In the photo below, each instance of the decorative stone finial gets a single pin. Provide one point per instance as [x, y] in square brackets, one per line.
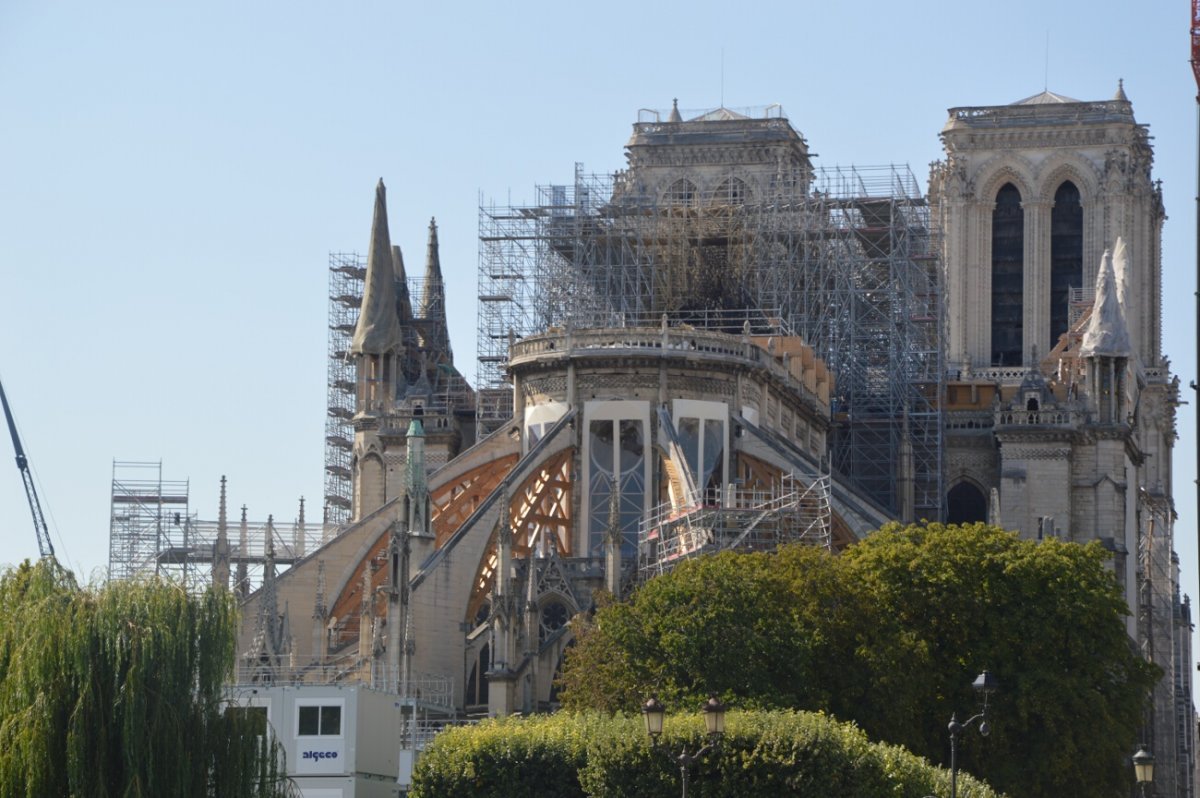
[1120, 95]
[675, 117]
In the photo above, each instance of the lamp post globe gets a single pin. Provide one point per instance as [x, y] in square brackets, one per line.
[1143, 767]
[986, 684]
[714, 716]
[714, 722]
[653, 712]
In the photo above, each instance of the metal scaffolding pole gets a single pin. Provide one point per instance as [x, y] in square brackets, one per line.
[848, 261]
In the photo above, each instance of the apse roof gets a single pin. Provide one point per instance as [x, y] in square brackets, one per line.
[1046, 98]
[719, 115]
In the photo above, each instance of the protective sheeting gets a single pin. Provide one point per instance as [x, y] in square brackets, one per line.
[1120, 262]
[1107, 334]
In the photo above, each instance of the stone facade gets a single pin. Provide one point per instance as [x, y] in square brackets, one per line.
[720, 157]
[465, 560]
[1048, 432]
[463, 564]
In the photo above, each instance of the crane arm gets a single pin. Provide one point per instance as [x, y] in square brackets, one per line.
[45, 547]
[1195, 31]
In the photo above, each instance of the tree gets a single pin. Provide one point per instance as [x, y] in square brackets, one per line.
[118, 690]
[890, 634]
[1047, 618]
[724, 624]
[574, 755]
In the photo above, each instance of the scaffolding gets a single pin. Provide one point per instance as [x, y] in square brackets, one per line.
[347, 275]
[147, 512]
[849, 258]
[152, 533]
[794, 512]
[188, 558]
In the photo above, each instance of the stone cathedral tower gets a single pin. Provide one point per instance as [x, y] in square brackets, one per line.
[405, 371]
[1059, 404]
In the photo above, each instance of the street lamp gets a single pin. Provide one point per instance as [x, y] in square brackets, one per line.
[653, 712]
[1143, 767]
[985, 684]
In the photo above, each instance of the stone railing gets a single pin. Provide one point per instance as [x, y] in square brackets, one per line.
[1022, 114]
[1157, 374]
[674, 341]
[1039, 418]
[997, 373]
[970, 420]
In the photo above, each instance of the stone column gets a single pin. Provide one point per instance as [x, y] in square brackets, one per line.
[977, 283]
[1036, 315]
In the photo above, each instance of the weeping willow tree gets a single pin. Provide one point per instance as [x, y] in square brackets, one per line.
[117, 691]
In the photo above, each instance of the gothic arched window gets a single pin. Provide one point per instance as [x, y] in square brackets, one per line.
[1008, 277]
[731, 191]
[554, 616]
[965, 504]
[681, 193]
[1066, 256]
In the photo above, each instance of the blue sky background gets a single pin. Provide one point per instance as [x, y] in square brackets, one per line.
[173, 177]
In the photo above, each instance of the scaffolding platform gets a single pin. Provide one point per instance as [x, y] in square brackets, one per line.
[847, 255]
[146, 513]
[347, 276]
[796, 512]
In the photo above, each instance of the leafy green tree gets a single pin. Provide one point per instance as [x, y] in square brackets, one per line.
[1047, 618]
[725, 624]
[891, 634]
[763, 753]
[117, 690]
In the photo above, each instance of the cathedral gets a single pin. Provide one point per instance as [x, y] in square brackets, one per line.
[724, 346]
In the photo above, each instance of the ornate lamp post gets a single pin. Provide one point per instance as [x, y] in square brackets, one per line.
[984, 684]
[1143, 767]
[654, 713]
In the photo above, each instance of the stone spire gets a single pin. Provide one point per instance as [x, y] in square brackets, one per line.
[416, 485]
[220, 567]
[242, 588]
[433, 304]
[533, 621]
[1120, 95]
[675, 117]
[272, 631]
[299, 533]
[403, 299]
[410, 345]
[397, 605]
[319, 616]
[1106, 334]
[378, 329]
[366, 610]
[269, 546]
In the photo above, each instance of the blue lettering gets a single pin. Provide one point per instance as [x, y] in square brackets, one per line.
[319, 755]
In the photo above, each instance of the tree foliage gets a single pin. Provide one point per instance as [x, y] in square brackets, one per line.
[767, 753]
[890, 634]
[117, 690]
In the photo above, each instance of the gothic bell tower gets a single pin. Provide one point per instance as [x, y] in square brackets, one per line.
[377, 349]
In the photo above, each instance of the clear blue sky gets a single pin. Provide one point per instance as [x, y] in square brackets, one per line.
[173, 176]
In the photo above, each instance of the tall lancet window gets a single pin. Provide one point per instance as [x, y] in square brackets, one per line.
[1008, 277]
[1066, 256]
[615, 458]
